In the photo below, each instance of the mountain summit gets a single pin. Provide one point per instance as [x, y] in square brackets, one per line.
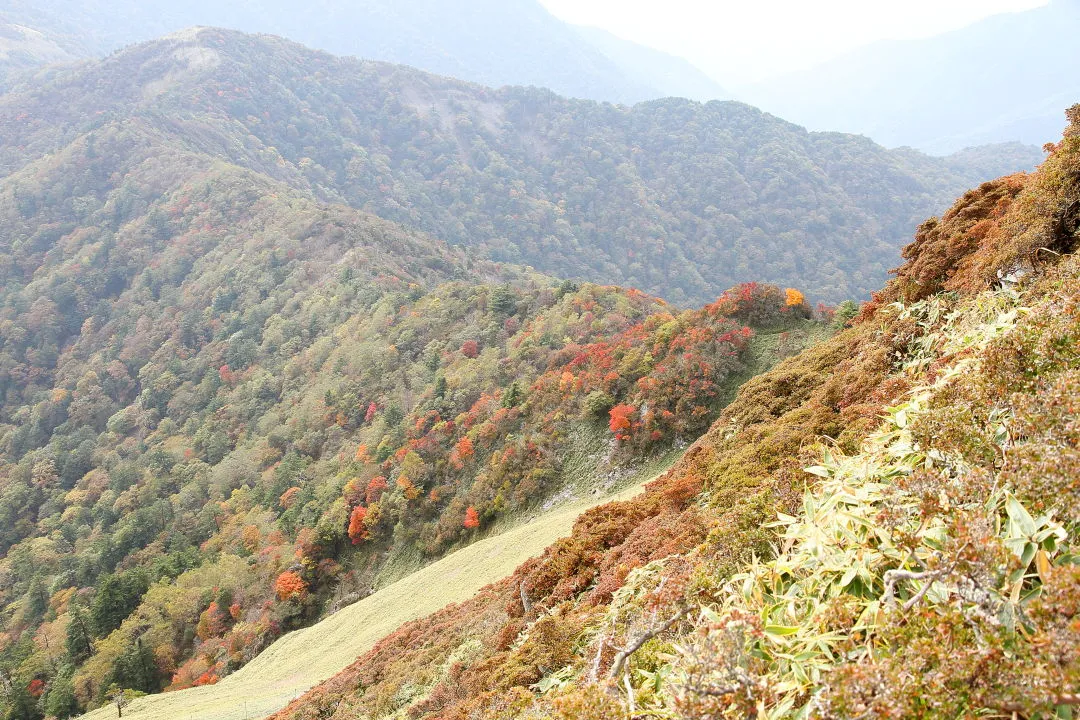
[494, 42]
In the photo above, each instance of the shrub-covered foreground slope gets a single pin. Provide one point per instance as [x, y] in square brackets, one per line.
[882, 526]
[680, 199]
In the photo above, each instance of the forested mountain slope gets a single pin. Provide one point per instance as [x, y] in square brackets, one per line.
[228, 406]
[883, 525]
[302, 659]
[680, 199]
[1004, 78]
[495, 42]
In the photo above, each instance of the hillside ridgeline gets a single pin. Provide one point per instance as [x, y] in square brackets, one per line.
[882, 525]
[306, 657]
[1003, 78]
[679, 199]
[229, 408]
[494, 42]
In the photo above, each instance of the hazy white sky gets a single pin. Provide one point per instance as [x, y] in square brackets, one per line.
[742, 40]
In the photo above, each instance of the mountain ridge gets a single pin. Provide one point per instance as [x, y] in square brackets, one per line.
[493, 43]
[694, 198]
[676, 75]
[268, 339]
[22, 49]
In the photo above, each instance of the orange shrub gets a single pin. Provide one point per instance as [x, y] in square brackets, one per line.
[375, 488]
[358, 532]
[288, 498]
[289, 585]
[620, 418]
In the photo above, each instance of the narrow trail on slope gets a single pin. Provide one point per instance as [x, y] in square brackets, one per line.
[304, 658]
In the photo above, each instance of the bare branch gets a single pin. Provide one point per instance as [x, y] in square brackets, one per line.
[594, 671]
[930, 576]
[629, 695]
[525, 602]
[922, 592]
[894, 576]
[626, 652]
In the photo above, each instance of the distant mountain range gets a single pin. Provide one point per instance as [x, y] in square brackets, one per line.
[677, 198]
[494, 42]
[1004, 78]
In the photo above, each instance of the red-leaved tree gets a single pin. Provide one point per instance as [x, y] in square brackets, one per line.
[462, 451]
[289, 585]
[375, 488]
[620, 420]
[212, 622]
[358, 532]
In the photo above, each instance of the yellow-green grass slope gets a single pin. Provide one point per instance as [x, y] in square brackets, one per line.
[302, 659]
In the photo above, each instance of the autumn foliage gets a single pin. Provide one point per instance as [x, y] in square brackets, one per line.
[621, 419]
[462, 452]
[206, 372]
[464, 448]
[306, 489]
[357, 531]
[184, 434]
[375, 488]
[470, 349]
[288, 498]
[289, 585]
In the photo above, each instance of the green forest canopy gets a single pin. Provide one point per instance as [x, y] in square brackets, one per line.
[680, 199]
